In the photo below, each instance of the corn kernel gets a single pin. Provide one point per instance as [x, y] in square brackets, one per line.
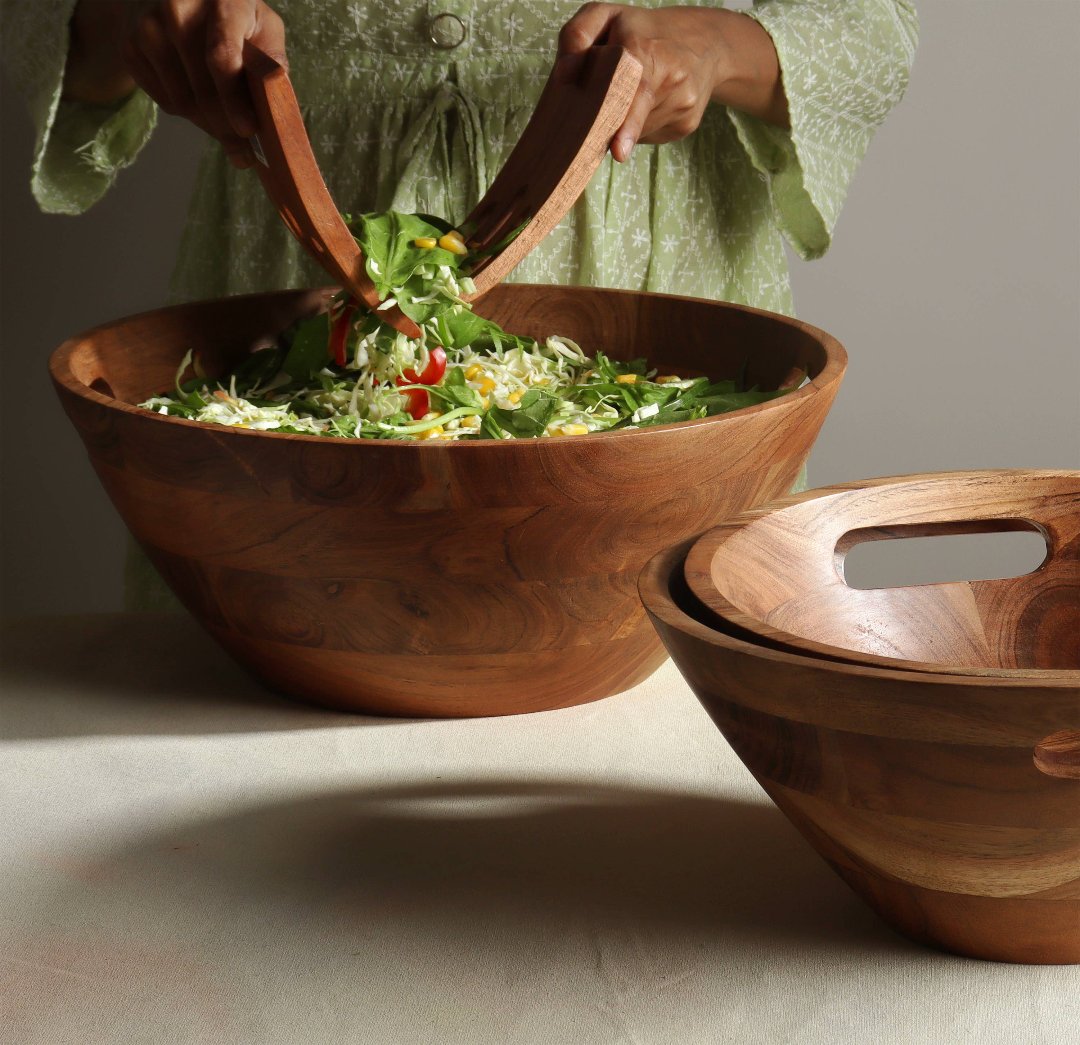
[425, 243]
[515, 397]
[430, 433]
[626, 379]
[487, 386]
[453, 242]
[473, 372]
[571, 430]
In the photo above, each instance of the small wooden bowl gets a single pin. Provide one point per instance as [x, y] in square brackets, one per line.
[777, 572]
[940, 799]
[405, 578]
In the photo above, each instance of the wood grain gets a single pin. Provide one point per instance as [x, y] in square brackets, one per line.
[410, 578]
[919, 789]
[777, 573]
[1059, 754]
[560, 149]
[291, 177]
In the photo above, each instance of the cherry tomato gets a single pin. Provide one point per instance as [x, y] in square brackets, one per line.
[432, 373]
[339, 334]
[417, 402]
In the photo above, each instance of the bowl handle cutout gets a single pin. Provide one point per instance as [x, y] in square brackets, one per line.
[1058, 755]
[911, 554]
[100, 385]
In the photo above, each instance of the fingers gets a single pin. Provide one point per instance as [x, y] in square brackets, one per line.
[228, 25]
[587, 27]
[156, 66]
[676, 73]
[680, 105]
[184, 26]
[188, 56]
[629, 134]
[269, 34]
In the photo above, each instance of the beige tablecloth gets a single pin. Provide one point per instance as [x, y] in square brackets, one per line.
[188, 858]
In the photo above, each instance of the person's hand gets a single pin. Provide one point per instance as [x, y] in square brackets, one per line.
[186, 54]
[690, 56]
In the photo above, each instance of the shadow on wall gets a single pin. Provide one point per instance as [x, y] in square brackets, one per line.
[63, 548]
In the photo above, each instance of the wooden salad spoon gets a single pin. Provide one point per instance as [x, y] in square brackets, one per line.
[559, 151]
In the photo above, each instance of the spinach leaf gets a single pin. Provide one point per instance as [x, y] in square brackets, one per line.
[723, 402]
[532, 416]
[502, 244]
[308, 353]
[442, 224]
[456, 392]
[258, 368]
[605, 367]
[462, 327]
[391, 256]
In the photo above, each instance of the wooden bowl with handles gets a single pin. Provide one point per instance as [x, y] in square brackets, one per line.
[777, 572]
[439, 579]
[949, 803]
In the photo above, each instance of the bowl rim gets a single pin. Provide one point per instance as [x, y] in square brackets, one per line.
[697, 566]
[827, 379]
[653, 590]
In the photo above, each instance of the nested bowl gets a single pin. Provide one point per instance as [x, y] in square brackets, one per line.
[452, 579]
[940, 799]
[777, 572]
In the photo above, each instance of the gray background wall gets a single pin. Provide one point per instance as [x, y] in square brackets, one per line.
[953, 282]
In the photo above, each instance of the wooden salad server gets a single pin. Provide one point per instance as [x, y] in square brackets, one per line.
[559, 151]
[291, 177]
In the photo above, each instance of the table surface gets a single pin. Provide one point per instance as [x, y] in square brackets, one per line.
[186, 857]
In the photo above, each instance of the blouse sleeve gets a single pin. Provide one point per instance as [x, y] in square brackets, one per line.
[844, 64]
[78, 148]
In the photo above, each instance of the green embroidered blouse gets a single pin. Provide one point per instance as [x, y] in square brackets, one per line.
[414, 112]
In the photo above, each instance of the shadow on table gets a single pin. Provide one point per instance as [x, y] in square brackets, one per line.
[482, 873]
[465, 912]
[135, 675]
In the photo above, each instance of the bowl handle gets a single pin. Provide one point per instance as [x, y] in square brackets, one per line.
[1043, 502]
[1059, 754]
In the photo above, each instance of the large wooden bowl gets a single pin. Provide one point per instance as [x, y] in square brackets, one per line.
[777, 571]
[940, 799]
[477, 578]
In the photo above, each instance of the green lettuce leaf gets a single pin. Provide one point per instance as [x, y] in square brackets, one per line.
[391, 257]
[308, 353]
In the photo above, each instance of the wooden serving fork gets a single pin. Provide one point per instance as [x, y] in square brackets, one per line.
[559, 151]
[291, 177]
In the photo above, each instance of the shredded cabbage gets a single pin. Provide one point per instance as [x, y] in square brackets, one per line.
[495, 385]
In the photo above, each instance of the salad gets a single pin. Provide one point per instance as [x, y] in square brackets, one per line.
[347, 374]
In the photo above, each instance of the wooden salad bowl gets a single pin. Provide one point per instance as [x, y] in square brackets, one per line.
[940, 799]
[439, 579]
[777, 572]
